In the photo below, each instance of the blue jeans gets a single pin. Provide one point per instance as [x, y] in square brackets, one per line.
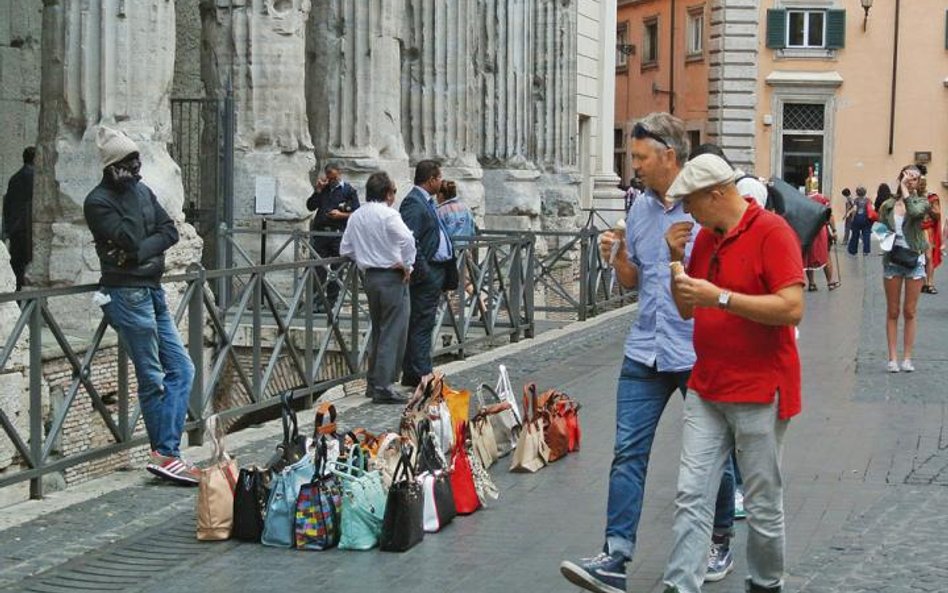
[642, 395]
[863, 231]
[163, 368]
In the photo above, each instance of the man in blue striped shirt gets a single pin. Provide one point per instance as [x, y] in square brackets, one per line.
[658, 355]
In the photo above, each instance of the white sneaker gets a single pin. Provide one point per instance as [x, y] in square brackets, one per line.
[893, 366]
[907, 365]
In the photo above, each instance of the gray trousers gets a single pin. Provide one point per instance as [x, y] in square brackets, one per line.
[710, 432]
[389, 308]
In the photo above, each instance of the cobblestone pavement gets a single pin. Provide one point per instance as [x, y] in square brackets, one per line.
[865, 469]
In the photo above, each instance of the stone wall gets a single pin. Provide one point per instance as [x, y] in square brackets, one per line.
[20, 44]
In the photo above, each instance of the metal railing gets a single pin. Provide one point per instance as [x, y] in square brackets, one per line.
[268, 316]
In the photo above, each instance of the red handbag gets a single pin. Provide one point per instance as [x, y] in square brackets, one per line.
[569, 410]
[462, 477]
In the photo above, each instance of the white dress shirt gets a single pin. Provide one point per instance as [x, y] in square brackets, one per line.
[376, 237]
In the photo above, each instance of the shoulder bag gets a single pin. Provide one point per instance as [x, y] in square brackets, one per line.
[466, 500]
[363, 504]
[279, 524]
[215, 501]
[250, 502]
[403, 525]
[532, 452]
[318, 506]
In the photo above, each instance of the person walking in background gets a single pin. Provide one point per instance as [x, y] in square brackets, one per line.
[132, 232]
[847, 217]
[457, 218]
[883, 193]
[932, 227]
[817, 257]
[383, 247]
[433, 252]
[657, 361]
[860, 213]
[743, 286]
[904, 264]
[17, 227]
[333, 200]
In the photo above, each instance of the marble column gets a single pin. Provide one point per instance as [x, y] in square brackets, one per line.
[258, 48]
[353, 87]
[440, 97]
[104, 62]
[554, 113]
[506, 68]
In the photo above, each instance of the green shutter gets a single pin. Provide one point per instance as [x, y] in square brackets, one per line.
[776, 28]
[835, 29]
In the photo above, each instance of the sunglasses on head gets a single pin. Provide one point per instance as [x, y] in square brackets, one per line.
[640, 132]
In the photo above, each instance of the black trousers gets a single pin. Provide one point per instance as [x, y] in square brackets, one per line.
[327, 248]
[424, 296]
[21, 252]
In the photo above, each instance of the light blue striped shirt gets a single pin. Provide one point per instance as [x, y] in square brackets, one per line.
[659, 336]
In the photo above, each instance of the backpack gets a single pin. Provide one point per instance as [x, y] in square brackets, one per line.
[804, 216]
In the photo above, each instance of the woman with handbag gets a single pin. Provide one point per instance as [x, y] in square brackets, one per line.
[904, 264]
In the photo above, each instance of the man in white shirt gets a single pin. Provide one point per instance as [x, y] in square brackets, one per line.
[383, 247]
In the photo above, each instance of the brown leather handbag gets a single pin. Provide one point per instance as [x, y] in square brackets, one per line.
[555, 428]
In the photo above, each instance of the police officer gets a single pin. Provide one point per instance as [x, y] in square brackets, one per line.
[334, 201]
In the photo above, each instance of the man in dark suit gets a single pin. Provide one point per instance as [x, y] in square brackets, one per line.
[18, 217]
[334, 201]
[433, 252]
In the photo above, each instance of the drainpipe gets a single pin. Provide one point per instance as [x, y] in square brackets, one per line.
[671, 56]
[895, 72]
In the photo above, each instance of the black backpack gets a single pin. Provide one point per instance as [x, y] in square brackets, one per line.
[804, 216]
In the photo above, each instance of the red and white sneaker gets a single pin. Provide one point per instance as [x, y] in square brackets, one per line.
[173, 469]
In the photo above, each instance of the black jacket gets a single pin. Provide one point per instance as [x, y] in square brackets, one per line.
[342, 197]
[423, 223]
[131, 231]
[18, 204]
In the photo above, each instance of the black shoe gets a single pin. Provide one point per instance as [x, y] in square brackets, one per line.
[388, 397]
[752, 587]
[409, 381]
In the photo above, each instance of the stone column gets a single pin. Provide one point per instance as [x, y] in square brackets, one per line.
[506, 67]
[353, 98]
[440, 95]
[606, 193]
[258, 49]
[110, 63]
[554, 113]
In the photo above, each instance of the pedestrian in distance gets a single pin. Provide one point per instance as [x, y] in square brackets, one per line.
[132, 232]
[817, 256]
[847, 216]
[381, 245]
[883, 193]
[860, 214]
[745, 385]
[455, 215]
[657, 360]
[932, 227]
[904, 264]
[17, 223]
[333, 200]
[433, 253]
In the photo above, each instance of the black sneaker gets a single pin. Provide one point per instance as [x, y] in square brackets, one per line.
[604, 573]
[388, 396]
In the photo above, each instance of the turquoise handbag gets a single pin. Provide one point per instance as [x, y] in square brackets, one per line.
[363, 502]
[279, 526]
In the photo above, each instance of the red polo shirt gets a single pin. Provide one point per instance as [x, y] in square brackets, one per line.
[739, 360]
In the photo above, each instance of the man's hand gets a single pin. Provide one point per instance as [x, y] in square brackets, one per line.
[677, 238]
[609, 241]
[335, 214]
[321, 183]
[695, 292]
[406, 273]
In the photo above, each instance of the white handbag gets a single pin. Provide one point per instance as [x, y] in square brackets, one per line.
[439, 509]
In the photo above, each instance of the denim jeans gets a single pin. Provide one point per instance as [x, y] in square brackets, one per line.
[642, 395]
[711, 431]
[163, 368]
[863, 232]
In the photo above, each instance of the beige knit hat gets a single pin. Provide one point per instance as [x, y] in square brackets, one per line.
[113, 145]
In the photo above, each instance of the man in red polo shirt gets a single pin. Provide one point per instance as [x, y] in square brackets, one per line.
[745, 385]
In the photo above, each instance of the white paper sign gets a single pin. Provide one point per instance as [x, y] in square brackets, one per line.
[265, 195]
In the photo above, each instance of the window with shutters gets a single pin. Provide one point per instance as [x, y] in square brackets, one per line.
[801, 31]
[806, 28]
[695, 33]
[650, 42]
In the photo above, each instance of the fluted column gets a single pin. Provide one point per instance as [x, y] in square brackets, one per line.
[104, 62]
[258, 48]
[353, 86]
[440, 91]
[506, 67]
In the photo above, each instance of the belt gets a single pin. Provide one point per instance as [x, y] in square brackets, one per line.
[383, 270]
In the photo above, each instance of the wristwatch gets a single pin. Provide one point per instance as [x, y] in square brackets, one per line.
[724, 299]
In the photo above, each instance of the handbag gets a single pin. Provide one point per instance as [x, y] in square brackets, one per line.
[318, 508]
[503, 417]
[250, 502]
[555, 430]
[569, 409]
[903, 257]
[403, 524]
[805, 217]
[326, 435]
[462, 478]
[483, 441]
[483, 483]
[532, 452]
[363, 505]
[294, 445]
[458, 402]
[430, 472]
[386, 458]
[215, 500]
[279, 524]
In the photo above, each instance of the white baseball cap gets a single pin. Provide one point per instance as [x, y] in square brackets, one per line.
[701, 172]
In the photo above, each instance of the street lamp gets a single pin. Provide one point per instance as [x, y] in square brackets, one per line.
[866, 5]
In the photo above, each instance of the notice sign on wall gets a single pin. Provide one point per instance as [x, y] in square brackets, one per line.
[265, 195]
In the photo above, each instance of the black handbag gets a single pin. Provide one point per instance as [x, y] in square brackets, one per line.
[903, 257]
[431, 472]
[804, 216]
[250, 500]
[293, 446]
[403, 524]
[451, 275]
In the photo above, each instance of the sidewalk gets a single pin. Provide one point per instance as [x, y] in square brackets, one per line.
[865, 468]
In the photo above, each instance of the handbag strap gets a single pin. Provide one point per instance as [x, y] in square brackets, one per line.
[213, 428]
[404, 471]
[291, 431]
[481, 400]
[323, 427]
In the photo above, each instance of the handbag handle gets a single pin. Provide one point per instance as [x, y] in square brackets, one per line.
[291, 430]
[213, 428]
[485, 388]
[403, 469]
[321, 413]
